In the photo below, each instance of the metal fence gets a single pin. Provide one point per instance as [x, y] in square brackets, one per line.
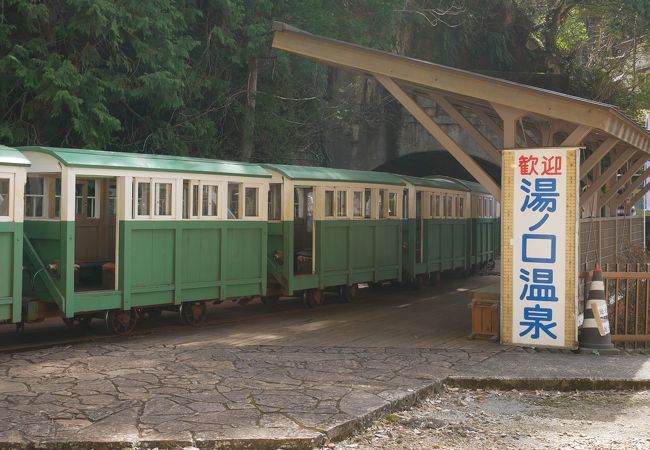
[627, 290]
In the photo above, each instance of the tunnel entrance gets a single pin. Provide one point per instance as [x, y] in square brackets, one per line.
[436, 163]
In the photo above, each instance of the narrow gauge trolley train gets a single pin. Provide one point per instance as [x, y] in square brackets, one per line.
[118, 235]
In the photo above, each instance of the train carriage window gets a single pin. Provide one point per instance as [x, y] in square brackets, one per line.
[91, 198]
[143, 198]
[405, 203]
[392, 204]
[4, 197]
[461, 207]
[57, 197]
[163, 199]
[382, 203]
[186, 199]
[112, 200]
[34, 194]
[210, 200]
[341, 203]
[357, 204]
[233, 200]
[329, 203]
[196, 199]
[450, 206]
[457, 207]
[250, 201]
[275, 201]
[367, 213]
[437, 205]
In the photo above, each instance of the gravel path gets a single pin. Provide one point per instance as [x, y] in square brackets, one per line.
[463, 419]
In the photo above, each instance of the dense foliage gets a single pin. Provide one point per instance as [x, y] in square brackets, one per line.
[198, 77]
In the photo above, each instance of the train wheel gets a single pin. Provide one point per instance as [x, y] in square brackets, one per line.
[350, 292]
[271, 301]
[314, 298]
[192, 313]
[121, 322]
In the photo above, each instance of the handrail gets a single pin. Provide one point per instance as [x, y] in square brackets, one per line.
[48, 281]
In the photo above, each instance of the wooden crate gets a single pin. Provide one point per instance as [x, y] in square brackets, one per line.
[485, 305]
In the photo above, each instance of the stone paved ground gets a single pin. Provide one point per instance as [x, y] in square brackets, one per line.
[318, 377]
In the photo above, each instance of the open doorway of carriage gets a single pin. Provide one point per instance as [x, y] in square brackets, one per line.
[303, 230]
[95, 233]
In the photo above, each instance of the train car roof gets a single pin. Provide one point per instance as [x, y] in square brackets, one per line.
[471, 186]
[436, 183]
[308, 173]
[12, 157]
[99, 159]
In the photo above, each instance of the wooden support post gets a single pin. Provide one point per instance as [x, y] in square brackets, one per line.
[597, 156]
[470, 129]
[627, 176]
[510, 116]
[609, 173]
[439, 134]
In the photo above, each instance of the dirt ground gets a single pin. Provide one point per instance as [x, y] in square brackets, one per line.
[463, 419]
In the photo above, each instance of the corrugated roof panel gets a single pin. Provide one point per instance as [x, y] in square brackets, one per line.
[99, 159]
[435, 183]
[307, 173]
[12, 157]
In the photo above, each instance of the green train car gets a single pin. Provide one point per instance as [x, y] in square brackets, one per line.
[332, 228]
[91, 234]
[13, 167]
[113, 233]
[437, 228]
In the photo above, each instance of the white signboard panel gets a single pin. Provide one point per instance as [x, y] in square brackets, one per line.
[540, 246]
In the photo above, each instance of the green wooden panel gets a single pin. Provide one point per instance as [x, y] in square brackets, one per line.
[6, 265]
[388, 243]
[334, 235]
[153, 257]
[245, 247]
[201, 254]
[363, 248]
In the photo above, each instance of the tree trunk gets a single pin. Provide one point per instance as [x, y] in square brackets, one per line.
[248, 132]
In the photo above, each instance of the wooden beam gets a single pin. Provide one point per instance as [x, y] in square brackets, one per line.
[597, 156]
[487, 120]
[371, 62]
[639, 194]
[627, 176]
[609, 173]
[577, 136]
[470, 129]
[630, 189]
[439, 134]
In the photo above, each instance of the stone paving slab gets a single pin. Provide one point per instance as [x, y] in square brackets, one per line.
[149, 394]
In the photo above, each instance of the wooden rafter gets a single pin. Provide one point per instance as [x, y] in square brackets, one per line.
[605, 177]
[627, 176]
[439, 134]
[470, 129]
[597, 156]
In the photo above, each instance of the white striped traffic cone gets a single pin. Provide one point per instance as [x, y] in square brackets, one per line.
[594, 333]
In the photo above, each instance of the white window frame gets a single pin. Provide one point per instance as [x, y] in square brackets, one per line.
[152, 198]
[45, 205]
[347, 204]
[362, 194]
[11, 196]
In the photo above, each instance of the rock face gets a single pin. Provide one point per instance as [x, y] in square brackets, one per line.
[371, 128]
